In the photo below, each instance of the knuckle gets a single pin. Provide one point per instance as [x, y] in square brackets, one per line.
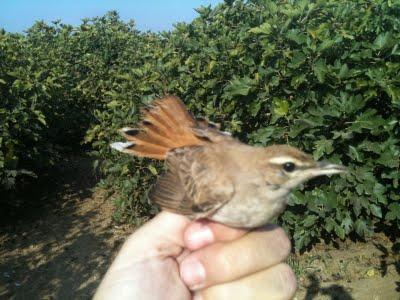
[289, 282]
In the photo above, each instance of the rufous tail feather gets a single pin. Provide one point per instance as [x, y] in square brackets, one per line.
[165, 125]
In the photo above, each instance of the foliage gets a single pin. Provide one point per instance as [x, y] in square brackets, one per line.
[51, 80]
[22, 122]
[319, 75]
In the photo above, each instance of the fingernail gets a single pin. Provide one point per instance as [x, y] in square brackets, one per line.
[193, 273]
[200, 237]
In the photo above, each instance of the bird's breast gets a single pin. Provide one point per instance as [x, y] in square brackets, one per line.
[253, 205]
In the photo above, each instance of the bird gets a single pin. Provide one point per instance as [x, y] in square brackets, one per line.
[212, 175]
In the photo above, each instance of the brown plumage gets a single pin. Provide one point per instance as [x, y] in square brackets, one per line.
[166, 125]
[212, 175]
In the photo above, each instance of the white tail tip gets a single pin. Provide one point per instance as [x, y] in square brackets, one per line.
[120, 146]
[125, 129]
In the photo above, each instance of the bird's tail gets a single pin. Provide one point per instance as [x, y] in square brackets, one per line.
[165, 125]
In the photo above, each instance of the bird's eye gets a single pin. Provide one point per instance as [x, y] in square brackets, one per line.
[289, 166]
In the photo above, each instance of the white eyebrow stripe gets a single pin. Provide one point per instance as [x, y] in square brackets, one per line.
[285, 159]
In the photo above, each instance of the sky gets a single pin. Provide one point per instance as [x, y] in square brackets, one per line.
[155, 15]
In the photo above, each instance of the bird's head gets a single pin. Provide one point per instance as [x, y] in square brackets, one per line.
[288, 167]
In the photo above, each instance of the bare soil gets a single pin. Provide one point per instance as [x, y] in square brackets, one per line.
[363, 270]
[61, 247]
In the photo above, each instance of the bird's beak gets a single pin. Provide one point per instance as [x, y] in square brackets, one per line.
[321, 168]
[327, 168]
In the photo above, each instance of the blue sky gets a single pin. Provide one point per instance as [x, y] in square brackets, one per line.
[18, 15]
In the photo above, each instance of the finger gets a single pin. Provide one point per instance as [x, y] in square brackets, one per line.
[160, 237]
[224, 262]
[275, 283]
[202, 233]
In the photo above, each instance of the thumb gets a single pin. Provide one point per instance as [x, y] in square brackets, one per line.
[161, 237]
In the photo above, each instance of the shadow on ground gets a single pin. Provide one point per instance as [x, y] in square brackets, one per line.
[333, 291]
[362, 270]
[62, 245]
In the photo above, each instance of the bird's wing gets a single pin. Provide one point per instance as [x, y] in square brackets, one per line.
[195, 184]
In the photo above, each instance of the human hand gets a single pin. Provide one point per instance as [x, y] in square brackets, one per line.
[172, 258]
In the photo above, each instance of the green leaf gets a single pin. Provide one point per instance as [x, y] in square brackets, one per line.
[354, 154]
[310, 220]
[153, 170]
[383, 40]
[298, 80]
[264, 28]
[329, 200]
[238, 87]
[113, 104]
[255, 108]
[297, 60]
[320, 70]
[40, 117]
[379, 192]
[376, 210]
[344, 71]
[322, 147]
[394, 212]
[357, 205]
[298, 198]
[368, 120]
[361, 227]
[347, 224]
[263, 136]
[281, 107]
[298, 37]
[330, 224]
[340, 232]
[394, 93]
[326, 44]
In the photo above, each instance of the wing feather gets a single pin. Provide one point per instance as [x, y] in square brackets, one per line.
[193, 185]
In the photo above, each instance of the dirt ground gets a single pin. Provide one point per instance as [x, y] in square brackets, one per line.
[369, 270]
[62, 246]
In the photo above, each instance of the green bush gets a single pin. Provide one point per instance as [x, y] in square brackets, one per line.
[51, 80]
[319, 75]
[22, 122]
